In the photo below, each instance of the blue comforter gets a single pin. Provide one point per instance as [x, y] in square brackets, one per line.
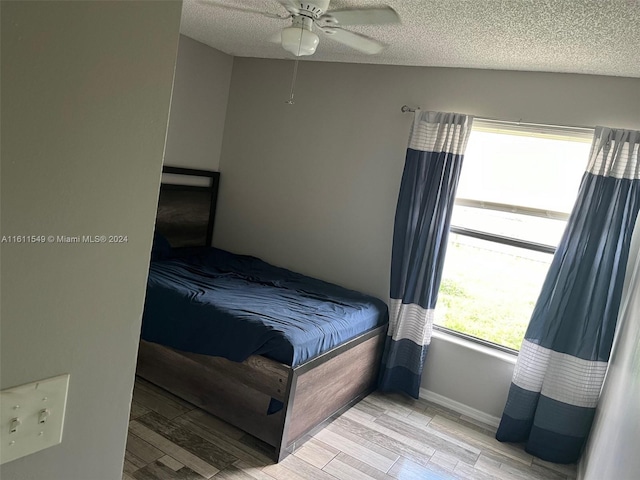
[213, 302]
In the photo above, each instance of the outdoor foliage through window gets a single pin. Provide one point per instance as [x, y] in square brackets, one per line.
[514, 196]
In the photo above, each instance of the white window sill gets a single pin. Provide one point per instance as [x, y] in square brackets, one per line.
[483, 349]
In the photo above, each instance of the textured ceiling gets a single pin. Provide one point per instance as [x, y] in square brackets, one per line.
[581, 36]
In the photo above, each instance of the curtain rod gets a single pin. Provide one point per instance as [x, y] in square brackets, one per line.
[408, 109]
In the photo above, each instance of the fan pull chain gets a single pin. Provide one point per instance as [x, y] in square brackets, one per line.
[293, 84]
[295, 74]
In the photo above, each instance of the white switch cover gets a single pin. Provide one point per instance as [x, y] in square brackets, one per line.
[32, 417]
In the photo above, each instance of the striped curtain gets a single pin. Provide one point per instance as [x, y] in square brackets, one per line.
[427, 192]
[564, 355]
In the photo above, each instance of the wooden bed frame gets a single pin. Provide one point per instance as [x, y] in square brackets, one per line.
[240, 393]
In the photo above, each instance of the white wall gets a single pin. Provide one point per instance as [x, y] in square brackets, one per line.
[612, 450]
[470, 374]
[198, 106]
[86, 88]
[313, 186]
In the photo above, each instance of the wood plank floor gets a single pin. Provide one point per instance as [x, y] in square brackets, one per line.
[382, 437]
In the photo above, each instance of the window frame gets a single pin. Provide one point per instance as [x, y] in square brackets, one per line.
[555, 132]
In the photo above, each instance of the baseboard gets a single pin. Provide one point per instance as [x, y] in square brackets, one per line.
[458, 407]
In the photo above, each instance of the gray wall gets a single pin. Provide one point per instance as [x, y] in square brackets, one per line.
[612, 450]
[198, 106]
[313, 186]
[86, 88]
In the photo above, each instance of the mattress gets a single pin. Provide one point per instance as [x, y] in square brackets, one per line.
[213, 302]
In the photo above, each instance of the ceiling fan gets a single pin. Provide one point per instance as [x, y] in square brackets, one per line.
[300, 38]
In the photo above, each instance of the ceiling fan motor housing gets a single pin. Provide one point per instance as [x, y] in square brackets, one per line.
[313, 9]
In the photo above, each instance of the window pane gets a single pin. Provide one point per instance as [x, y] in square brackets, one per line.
[518, 184]
[488, 290]
[546, 231]
[533, 172]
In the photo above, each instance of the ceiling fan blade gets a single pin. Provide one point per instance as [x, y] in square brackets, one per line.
[292, 7]
[356, 41]
[213, 3]
[362, 16]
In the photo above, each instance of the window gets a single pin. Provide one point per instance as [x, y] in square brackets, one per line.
[517, 187]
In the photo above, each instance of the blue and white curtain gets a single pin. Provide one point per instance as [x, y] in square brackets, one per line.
[427, 192]
[563, 359]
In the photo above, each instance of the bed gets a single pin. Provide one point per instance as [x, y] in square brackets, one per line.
[273, 352]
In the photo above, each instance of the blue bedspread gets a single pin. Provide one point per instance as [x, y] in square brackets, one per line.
[214, 302]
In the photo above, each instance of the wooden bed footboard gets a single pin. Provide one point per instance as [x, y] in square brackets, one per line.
[240, 393]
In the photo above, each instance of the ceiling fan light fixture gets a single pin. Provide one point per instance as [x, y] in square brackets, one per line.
[299, 40]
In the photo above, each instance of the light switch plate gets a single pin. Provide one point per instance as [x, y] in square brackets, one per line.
[32, 417]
